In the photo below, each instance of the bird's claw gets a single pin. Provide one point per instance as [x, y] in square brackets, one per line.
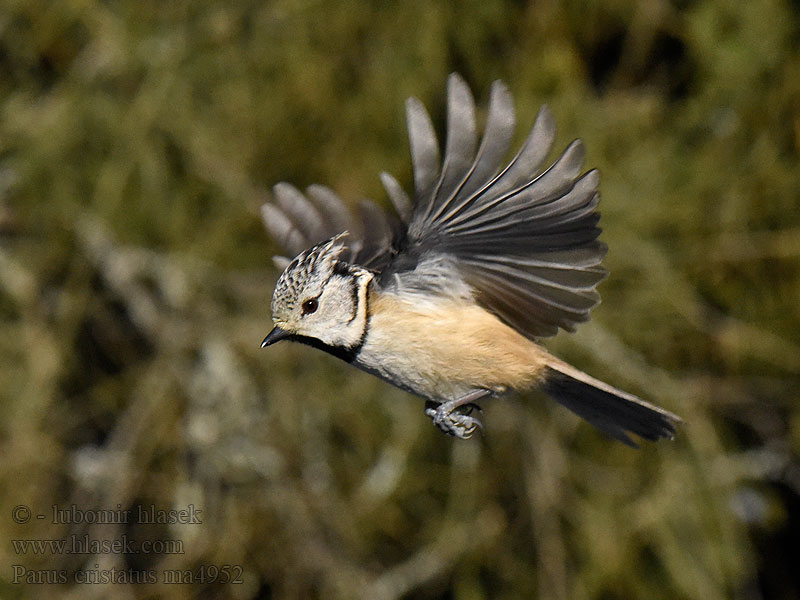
[457, 421]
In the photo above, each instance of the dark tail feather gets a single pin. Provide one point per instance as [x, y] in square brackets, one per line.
[611, 410]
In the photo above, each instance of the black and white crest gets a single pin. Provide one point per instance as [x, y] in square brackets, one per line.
[318, 262]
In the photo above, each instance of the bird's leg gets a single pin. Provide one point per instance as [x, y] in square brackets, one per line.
[454, 417]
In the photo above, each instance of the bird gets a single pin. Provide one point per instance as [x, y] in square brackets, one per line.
[448, 295]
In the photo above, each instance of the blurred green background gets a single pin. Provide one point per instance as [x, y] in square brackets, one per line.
[137, 142]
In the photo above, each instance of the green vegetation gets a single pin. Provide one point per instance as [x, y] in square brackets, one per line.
[137, 142]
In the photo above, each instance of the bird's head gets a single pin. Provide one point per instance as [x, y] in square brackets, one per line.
[319, 298]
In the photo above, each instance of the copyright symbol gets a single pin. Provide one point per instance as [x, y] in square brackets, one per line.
[21, 514]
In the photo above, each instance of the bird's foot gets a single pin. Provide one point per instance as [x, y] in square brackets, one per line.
[454, 417]
[458, 422]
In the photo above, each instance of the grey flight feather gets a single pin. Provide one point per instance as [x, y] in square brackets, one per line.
[461, 142]
[424, 149]
[524, 240]
[400, 200]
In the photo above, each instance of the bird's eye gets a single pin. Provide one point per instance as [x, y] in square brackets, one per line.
[310, 306]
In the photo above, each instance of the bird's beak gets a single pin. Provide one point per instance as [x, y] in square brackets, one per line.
[276, 335]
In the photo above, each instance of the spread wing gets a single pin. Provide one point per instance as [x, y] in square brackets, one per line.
[298, 221]
[524, 239]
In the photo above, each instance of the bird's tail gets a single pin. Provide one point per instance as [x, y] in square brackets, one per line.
[611, 410]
